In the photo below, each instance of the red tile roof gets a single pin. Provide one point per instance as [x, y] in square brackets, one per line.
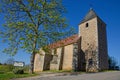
[64, 42]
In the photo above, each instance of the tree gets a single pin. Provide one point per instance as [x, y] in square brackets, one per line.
[112, 63]
[10, 61]
[0, 63]
[32, 24]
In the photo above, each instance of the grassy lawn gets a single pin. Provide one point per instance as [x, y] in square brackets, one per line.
[58, 71]
[63, 71]
[10, 75]
[6, 72]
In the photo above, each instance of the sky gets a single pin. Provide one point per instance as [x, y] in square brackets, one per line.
[107, 10]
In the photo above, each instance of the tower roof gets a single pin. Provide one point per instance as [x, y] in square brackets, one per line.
[91, 14]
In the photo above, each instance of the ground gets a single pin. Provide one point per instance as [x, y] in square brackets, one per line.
[114, 75]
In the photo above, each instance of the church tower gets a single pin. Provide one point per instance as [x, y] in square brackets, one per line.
[92, 31]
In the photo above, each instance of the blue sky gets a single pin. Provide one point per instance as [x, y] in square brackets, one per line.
[107, 10]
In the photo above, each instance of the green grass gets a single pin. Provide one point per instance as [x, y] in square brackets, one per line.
[62, 71]
[11, 75]
[6, 72]
[58, 71]
[6, 68]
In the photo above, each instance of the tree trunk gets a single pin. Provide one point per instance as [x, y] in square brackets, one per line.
[32, 58]
[32, 63]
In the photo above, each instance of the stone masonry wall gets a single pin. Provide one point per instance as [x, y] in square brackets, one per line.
[103, 54]
[75, 63]
[47, 60]
[42, 61]
[68, 57]
[89, 43]
[56, 61]
[39, 62]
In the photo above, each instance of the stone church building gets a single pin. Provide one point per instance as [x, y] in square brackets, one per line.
[86, 51]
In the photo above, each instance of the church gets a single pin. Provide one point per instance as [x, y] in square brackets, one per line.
[85, 51]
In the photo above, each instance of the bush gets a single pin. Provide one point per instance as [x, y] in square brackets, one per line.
[26, 68]
[2, 72]
[18, 71]
[6, 68]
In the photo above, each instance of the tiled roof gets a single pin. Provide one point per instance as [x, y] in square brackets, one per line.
[64, 42]
[91, 14]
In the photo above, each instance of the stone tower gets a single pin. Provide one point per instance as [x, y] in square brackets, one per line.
[93, 42]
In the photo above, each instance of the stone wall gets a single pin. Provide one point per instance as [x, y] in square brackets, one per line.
[47, 60]
[103, 53]
[56, 61]
[38, 62]
[42, 61]
[68, 57]
[94, 44]
[89, 43]
[75, 62]
[81, 57]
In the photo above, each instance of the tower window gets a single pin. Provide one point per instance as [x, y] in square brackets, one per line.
[87, 24]
[87, 43]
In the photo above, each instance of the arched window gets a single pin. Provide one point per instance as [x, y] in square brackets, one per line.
[87, 24]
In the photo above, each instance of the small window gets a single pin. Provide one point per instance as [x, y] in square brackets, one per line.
[87, 24]
[87, 43]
